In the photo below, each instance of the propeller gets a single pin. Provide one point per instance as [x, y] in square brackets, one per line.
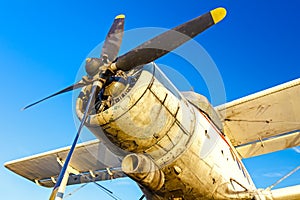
[113, 41]
[67, 89]
[99, 70]
[168, 41]
[144, 53]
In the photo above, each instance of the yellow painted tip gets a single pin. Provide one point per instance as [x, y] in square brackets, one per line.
[218, 14]
[120, 16]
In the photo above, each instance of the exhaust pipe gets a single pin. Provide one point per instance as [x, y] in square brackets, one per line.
[143, 170]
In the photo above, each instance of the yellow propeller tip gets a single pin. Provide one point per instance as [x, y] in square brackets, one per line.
[120, 16]
[218, 14]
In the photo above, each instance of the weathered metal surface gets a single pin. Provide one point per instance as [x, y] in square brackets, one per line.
[176, 151]
[262, 115]
[202, 103]
[196, 161]
[150, 118]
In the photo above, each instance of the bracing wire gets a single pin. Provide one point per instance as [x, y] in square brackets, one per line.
[284, 177]
[74, 191]
[110, 193]
[104, 189]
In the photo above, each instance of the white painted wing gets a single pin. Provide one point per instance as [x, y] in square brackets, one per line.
[90, 159]
[264, 122]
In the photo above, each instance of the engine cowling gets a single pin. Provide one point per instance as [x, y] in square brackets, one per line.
[149, 116]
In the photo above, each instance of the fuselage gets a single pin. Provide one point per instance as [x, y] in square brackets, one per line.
[171, 143]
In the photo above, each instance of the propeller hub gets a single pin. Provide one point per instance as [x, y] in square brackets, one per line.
[92, 66]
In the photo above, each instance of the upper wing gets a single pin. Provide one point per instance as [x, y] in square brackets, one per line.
[91, 161]
[264, 122]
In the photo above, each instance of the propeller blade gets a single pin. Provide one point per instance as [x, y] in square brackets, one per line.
[67, 89]
[168, 41]
[113, 39]
[58, 190]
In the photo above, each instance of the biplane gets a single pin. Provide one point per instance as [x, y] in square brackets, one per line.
[174, 145]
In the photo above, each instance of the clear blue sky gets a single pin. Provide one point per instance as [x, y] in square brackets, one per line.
[43, 43]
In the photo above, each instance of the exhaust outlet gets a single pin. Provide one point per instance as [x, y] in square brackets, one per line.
[143, 170]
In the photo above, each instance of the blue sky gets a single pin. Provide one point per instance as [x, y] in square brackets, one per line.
[43, 43]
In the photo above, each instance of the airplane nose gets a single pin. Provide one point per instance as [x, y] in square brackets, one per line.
[150, 116]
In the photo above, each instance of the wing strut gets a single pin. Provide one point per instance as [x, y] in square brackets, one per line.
[284, 177]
